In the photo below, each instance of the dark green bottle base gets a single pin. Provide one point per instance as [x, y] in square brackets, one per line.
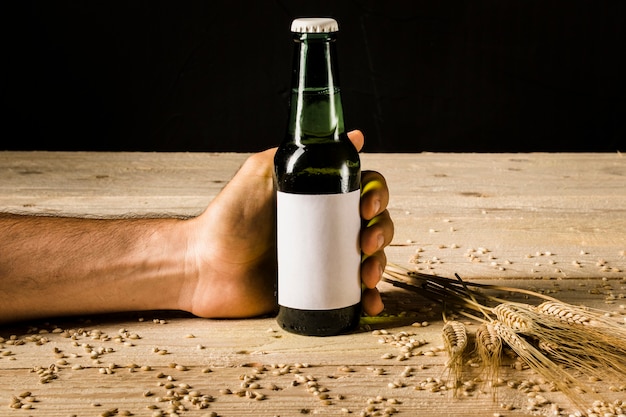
[319, 322]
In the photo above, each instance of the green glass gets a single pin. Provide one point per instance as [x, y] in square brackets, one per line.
[316, 157]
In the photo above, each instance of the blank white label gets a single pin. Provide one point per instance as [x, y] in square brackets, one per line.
[319, 255]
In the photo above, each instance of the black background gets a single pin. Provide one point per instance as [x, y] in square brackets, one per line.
[214, 75]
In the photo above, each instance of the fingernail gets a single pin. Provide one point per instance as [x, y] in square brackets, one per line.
[381, 241]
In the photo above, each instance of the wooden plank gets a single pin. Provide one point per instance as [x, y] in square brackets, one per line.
[111, 184]
[516, 206]
[355, 369]
[520, 207]
[539, 212]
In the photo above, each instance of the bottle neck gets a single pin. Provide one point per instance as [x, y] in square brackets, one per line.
[316, 111]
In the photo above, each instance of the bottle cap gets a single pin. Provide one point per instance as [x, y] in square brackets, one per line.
[314, 25]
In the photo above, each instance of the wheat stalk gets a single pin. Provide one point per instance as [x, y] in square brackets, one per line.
[541, 364]
[562, 341]
[489, 350]
[571, 336]
[559, 341]
[455, 342]
[588, 340]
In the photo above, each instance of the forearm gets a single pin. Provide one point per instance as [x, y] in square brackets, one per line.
[62, 266]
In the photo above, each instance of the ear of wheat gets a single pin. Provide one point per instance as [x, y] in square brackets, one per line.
[571, 336]
[455, 342]
[561, 342]
[587, 340]
[514, 317]
[541, 364]
[489, 351]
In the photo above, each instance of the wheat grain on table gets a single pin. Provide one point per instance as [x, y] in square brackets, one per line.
[554, 223]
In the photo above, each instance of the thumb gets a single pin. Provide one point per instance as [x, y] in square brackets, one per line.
[357, 139]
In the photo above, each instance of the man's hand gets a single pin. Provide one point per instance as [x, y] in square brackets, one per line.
[235, 249]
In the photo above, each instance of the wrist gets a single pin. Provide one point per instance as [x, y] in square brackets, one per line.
[185, 237]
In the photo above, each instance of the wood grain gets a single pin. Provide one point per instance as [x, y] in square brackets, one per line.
[550, 222]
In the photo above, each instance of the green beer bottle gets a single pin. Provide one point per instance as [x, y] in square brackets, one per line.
[318, 175]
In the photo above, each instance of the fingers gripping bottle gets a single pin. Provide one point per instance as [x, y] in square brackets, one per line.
[317, 172]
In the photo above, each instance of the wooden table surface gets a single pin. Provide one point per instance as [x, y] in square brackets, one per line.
[549, 222]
